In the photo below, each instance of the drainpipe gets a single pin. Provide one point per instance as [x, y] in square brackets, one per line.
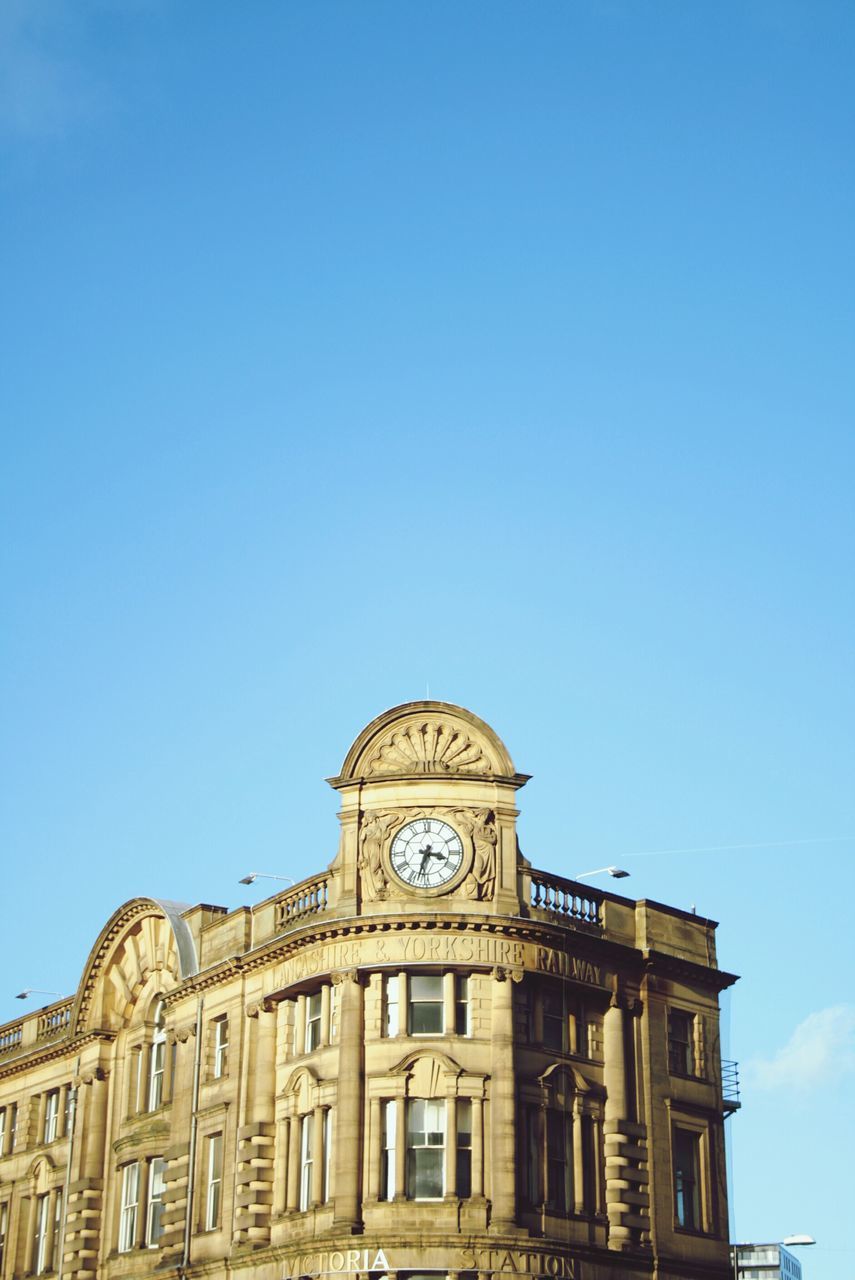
[72, 1117]
[194, 1124]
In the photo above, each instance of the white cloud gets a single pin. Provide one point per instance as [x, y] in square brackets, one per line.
[820, 1050]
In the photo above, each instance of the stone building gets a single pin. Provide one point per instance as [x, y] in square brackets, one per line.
[428, 1060]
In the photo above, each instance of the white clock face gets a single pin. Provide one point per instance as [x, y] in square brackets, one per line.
[426, 853]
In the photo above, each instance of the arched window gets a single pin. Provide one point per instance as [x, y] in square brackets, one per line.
[157, 1060]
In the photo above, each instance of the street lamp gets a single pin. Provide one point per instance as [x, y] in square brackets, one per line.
[34, 991]
[789, 1241]
[263, 875]
[612, 871]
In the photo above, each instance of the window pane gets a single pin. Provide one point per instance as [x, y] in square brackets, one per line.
[392, 1005]
[426, 986]
[425, 1019]
[424, 1173]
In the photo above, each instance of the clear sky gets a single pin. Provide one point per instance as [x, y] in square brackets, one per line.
[352, 350]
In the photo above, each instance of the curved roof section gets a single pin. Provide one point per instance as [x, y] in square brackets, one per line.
[121, 924]
[426, 738]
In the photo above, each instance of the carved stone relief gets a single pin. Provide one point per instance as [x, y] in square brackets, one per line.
[429, 746]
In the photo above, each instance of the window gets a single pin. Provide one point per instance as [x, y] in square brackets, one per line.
[313, 1022]
[66, 1117]
[40, 1236]
[681, 1037]
[158, 1057]
[221, 1046]
[214, 1181]
[687, 1163]
[156, 1183]
[554, 1021]
[327, 1152]
[425, 1149]
[461, 1005]
[559, 1154]
[4, 1227]
[464, 1147]
[425, 1005]
[388, 1187]
[307, 1161]
[391, 1022]
[130, 1205]
[51, 1116]
[13, 1126]
[57, 1230]
[2, 1131]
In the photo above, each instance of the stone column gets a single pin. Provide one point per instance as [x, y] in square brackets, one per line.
[451, 1147]
[477, 1147]
[256, 1135]
[318, 1155]
[400, 1149]
[292, 1196]
[449, 1009]
[578, 1160]
[614, 1078]
[348, 1144]
[502, 1121]
[375, 1149]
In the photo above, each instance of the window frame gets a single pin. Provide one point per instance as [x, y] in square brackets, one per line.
[314, 1022]
[156, 1189]
[221, 1047]
[40, 1234]
[213, 1181]
[415, 1149]
[157, 1060]
[50, 1128]
[129, 1208]
[414, 1002]
[682, 1130]
[682, 1052]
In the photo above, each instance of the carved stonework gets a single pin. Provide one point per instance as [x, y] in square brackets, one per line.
[373, 837]
[481, 881]
[428, 746]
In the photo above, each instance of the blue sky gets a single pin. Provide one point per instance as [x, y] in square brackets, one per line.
[352, 350]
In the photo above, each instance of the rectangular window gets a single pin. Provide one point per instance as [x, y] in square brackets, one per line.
[464, 1147]
[130, 1205]
[2, 1131]
[40, 1237]
[57, 1229]
[307, 1160]
[425, 1005]
[681, 1047]
[51, 1116]
[391, 1016]
[155, 1079]
[327, 1152]
[390, 1114]
[313, 1022]
[461, 1004]
[214, 1181]
[156, 1184]
[221, 1046]
[4, 1227]
[533, 1173]
[559, 1153]
[13, 1126]
[425, 1149]
[66, 1118]
[554, 1021]
[687, 1166]
[580, 1039]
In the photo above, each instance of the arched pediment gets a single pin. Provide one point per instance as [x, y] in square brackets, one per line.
[426, 738]
[145, 937]
[561, 1078]
[442, 1060]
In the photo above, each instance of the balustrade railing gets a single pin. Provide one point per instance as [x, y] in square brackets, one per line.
[53, 1021]
[566, 899]
[11, 1037]
[305, 899]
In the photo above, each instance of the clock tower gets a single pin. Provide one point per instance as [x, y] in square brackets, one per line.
[428, 815]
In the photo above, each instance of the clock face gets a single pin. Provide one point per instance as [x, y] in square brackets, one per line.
[426, 853]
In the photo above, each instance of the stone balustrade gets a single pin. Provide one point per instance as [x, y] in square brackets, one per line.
[567, 900]
[307, 898]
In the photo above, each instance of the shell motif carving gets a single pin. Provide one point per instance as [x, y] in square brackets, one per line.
[428, 746]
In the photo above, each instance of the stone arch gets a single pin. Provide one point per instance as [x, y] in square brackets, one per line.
[429, 1073]
[427, 738]
[145, 937]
